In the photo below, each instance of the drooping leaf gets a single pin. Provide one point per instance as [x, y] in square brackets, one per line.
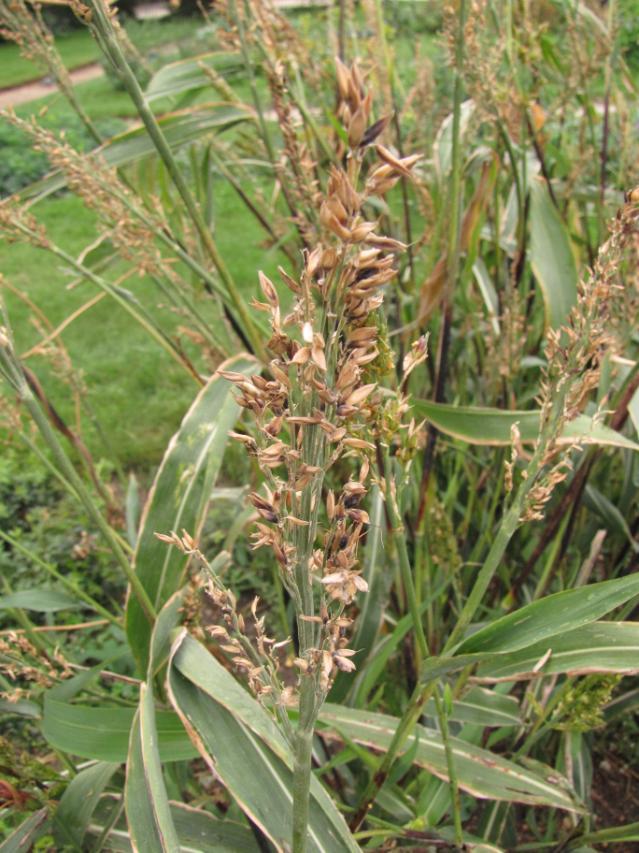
[550, 616]
[180, 128]
[197, 831]
[40, 600]
[179, 497]
[78, 803]
[479, 772]
[551, 256]
[241, 742]
[103, 733]
[188, 75]
[605, 647]
[479, 425]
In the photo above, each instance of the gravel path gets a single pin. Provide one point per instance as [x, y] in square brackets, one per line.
[40, 88]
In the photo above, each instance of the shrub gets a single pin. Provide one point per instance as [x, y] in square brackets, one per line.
[20, 165]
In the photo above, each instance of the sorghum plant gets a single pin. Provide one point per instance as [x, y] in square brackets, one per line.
[320, 410]
[413, 558]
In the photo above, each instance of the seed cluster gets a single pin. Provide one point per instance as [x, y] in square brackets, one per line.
[130, 226]
[576, 351]
[317, 406]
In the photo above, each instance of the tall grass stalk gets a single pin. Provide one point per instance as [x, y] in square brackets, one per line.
[14, 374]
[108, 38]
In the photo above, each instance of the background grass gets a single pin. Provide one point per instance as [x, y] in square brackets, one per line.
[138, 409]
[78, 48]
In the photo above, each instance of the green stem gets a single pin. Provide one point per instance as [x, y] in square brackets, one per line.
[442, 715]
[13, 369]
[399, 538]
[302, 763]
[114, 51]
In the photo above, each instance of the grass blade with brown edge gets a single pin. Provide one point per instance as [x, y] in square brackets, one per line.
[480, 772]
[488, 426]
[238, 738]
[146, 800]
[180, 495]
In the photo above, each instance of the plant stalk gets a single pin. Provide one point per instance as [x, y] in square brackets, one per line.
[13, 369]
[114, 51]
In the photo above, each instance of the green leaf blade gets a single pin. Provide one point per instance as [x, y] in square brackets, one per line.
[241, 742]
[480, 772]
[550, 616]
[551, 256]
[601, 647]
[147, 805]
[79, 801]
[492, 427]
[180, 495]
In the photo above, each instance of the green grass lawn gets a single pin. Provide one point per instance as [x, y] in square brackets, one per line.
[78, 47]
[137, 392]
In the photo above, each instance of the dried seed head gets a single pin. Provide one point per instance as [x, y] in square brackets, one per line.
[268, 289]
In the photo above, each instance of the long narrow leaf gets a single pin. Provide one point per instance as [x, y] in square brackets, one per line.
[551, 255]
[245, 748]
[25, 836]
[478, 425]
[179, 128]
[103, 733]
[146, 800]
[40, 600]
[606, 647]
[372, 603]
[197, 830]
[188, 75]
[78, 803]
[147, 805]
[482, 708]
[555, 614]
[179, 497]
[480, 772]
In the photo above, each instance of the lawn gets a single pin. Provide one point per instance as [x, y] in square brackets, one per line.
[136, 391]
[136, 410]
[78, 48]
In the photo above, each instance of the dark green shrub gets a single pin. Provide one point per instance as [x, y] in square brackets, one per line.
[20, 165]
[629, 31]
[45, 521]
